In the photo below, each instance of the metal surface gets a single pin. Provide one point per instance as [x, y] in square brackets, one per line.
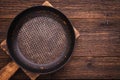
[43, 39]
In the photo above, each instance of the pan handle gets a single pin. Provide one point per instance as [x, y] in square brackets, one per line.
[7, 71]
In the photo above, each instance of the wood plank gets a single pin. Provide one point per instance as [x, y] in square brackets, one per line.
[96, 53]
[98, 37]
[72, 9]
[83, 68]
[90, 67]
[61, 1]
[83, 25]
[19, 75]
[7, 71]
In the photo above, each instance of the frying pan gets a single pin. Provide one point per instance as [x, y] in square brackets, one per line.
[41, 39]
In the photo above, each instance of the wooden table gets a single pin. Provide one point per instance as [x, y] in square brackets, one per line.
[97, 51]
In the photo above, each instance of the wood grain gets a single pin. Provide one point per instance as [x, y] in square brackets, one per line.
[90, 67]
[100, 34]
[97, 51]
[7, 71]
[73, 9]
[85, 68]
[12, 69]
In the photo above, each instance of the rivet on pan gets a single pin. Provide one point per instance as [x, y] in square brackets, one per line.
[41, 67]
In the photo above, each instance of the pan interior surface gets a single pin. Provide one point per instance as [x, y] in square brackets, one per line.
[41, 42]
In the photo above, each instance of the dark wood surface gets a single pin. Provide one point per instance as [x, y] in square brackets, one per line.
[97, 50]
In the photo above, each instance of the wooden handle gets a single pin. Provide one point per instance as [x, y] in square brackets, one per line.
[7, 71]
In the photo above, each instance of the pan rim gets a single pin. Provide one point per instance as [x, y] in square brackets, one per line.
[11, 29]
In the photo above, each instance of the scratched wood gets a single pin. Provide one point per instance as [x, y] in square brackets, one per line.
[102, 36]
[7, 71]
[97, 51]
[73, 9]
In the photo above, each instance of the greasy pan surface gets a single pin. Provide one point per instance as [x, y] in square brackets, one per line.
[40, 39]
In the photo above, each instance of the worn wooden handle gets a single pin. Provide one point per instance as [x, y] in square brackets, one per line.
[7, 71]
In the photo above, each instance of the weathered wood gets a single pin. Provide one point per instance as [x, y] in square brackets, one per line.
[12, 70]
[90, 67]
[73, 9]
[98, 37]
[70, 13]
[7, 71]
[85, 68]
[19, 75]
[93, 67]
[97, 51]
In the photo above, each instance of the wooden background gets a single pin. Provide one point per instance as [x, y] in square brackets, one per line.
[97, 51]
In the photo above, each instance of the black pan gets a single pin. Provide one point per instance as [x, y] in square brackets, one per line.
[40, 39]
